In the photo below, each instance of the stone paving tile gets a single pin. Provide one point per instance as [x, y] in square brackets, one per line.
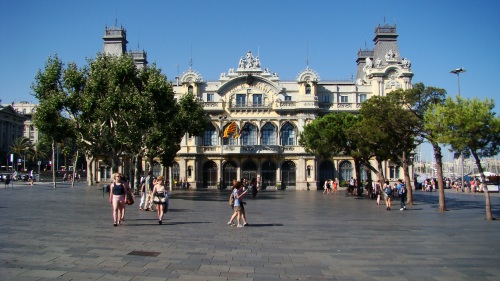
[294, 235]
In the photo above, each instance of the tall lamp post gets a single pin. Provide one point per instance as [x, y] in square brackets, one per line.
[221, 118]
[457, 71]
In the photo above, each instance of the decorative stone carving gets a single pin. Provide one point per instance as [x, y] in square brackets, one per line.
[390, 56]
[406, 63]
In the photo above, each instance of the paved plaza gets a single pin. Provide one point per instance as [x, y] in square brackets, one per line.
[68, 234]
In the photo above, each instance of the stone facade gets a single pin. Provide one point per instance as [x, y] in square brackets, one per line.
[269, 115]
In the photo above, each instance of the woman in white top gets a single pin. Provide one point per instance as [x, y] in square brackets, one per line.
[160, 198]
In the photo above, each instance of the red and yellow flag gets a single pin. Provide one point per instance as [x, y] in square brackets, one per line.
[231, 128]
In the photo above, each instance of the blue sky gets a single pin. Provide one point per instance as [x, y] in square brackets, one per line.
[436, 36]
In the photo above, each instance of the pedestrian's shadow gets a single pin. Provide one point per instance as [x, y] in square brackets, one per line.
[264, 224]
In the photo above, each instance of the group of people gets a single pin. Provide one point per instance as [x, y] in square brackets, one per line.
[153, 193]
[399, 189]
[374, 191]
[330, 186]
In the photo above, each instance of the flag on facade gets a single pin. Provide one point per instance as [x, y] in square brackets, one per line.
[231, 128]
[240, 132]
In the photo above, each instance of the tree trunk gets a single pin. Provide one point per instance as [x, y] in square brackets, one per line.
[483, 184]
[53, 163]
[90, 171]
[439, 167]
[75, 169]
[406, 174]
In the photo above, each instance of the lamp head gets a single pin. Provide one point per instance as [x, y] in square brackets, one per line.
[458, 70]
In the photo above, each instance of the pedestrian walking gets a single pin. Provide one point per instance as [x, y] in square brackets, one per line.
[160, 198]
[117, 198]
[402, 191]
[238, 194]
[149, 184]
[253, 186]
[378, 191]
[127, 192]
[387, 194]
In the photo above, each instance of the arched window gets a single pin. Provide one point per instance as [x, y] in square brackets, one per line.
[326, 172]
[288, 172]
[249, 134]
[210, 174]
[249, 170]
[287, 135]
[345, 171]
[268, 134]
[308, 89]
[210, 136]
[176, 174]
[190, 89]
[229, 174]
[268, 175]
[363, 173]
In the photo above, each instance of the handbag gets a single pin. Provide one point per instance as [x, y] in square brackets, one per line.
[130, 198]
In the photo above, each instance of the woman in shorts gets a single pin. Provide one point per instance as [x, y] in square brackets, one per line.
[117, 198]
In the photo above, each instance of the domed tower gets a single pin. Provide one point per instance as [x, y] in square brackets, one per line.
[386, 70]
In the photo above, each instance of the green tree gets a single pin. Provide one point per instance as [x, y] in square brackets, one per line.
[20, 147]
[49, 90]
[328, 136]
[418, 100]
[386, 132]
[467, 126]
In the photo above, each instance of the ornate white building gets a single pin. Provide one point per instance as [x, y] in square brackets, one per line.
[270, 114]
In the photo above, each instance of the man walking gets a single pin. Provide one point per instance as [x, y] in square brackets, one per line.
[402, 194]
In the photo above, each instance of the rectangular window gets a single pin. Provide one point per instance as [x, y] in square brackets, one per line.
[210, 97]
[362, 98]
[344, 99]
[241, 99]
[288, 98]
[326, 99]
[257, 100]
[394, 172]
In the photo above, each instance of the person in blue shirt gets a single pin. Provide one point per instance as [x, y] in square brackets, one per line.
[402, 191]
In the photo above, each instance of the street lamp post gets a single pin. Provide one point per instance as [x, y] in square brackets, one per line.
[457, 71]
[221, 118]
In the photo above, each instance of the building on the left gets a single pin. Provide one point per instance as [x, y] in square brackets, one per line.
[12, 126]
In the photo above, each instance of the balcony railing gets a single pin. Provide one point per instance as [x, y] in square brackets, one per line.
[213, 106]
[249, 106]
[251, 149]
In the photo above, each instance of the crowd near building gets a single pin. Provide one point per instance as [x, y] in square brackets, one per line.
[256, 118]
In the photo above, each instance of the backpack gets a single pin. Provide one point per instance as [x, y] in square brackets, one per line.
[388, 190]
[403, 188]
[231, 199]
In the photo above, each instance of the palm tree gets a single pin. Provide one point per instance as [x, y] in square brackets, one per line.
[38, 152]
[20, 146]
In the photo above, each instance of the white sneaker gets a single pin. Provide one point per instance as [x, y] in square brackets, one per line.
[240, 225]
[401, 209]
